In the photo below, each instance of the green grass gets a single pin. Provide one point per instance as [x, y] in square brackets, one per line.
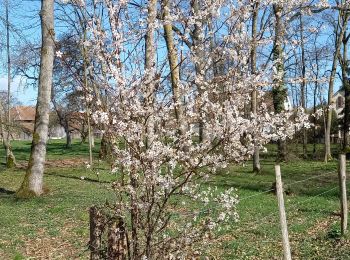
[60, 219]
[56, 226]
[56, 149]
[311, 215]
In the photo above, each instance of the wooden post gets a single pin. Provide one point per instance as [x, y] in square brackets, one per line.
[283, 219]
[343, 198]
[96, 230]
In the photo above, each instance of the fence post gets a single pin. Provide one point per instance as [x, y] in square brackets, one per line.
[279, 191]
[343, 198]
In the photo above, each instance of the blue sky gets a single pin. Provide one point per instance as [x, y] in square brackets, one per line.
[23, 14]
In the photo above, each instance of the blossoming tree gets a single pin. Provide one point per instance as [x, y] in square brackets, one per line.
[178, 90]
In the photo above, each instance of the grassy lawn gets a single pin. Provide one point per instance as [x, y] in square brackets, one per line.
[312, 212]
[56, 226]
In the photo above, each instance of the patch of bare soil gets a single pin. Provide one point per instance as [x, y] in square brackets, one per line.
[63, 163]
[47, 247]
[322, 226]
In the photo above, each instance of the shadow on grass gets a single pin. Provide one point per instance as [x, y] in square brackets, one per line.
[7, 192]
[76, 178]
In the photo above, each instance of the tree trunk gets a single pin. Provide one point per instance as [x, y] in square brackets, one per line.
[173, 64]
[150, 66]
[68, 138]
[10, 161]
[134, 218]
[83, 134]
[88, 112]
[199, 64]
[105, 148]
[303, 83]
[279, 91]
[328, 154]
[33, 181]
[346, 118]
[92, 138]
[89, 136]
[256, 155]
[102, 154]
[315, 98]
[1, 123]
[314, 121]
[346, 86]
[87, 88]
[10, 158]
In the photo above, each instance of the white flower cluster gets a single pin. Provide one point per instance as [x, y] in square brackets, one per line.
[75, 2]
[100, 117]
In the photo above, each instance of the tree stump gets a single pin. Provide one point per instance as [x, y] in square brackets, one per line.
[117, 247]
[97, 220]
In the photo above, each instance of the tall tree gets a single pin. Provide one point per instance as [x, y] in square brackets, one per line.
[343, 18]
[279, 91]
[10, 158]
[316, 73]
[256, 155]
[197, 38]
[173, 61]
[303, 82]
[33, 181]
[344, 62]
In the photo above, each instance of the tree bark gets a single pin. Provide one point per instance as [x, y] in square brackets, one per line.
[33, 181]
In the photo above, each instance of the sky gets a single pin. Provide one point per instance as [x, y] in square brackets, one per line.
[22, 14]
[25, 95]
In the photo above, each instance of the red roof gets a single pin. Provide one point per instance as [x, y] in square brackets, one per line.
[23, 113]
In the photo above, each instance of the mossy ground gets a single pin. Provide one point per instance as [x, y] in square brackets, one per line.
[56, 226]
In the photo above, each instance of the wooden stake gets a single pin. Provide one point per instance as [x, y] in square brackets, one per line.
[279, 190]
[343, 198]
